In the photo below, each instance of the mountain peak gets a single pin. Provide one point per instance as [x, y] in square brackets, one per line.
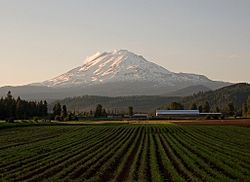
[120, 66]
[123, 54]
[119, 51]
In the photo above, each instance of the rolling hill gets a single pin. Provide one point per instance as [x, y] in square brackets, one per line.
[142, 104]
[236, 94]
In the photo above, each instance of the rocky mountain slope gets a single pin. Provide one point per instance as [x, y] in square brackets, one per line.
[123, 66]
[115, 73]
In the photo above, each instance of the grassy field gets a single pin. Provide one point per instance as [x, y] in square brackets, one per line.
[124, 152]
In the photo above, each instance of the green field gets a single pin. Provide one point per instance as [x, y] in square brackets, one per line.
[124, 153]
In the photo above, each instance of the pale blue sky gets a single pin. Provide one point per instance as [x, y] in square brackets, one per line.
[40, 39]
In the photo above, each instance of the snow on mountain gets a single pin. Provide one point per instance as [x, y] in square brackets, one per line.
[121, 66]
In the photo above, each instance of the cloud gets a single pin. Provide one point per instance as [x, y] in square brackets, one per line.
[234, 56]
[229, 56]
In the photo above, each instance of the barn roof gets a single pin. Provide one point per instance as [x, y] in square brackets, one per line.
[177, 112]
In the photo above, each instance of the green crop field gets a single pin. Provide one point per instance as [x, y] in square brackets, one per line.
[124, 153]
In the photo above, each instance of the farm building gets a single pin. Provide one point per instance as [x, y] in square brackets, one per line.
[160, 113]
[183, 113]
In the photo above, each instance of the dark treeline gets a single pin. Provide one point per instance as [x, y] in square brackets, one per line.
[219, 100]
[13, 109]
[228, 110]
[233, 100]
[115, 104]
[60, 113]
[223, 100]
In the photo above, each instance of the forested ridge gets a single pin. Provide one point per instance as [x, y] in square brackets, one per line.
[235, 95]
[15, 108]
[118, 104]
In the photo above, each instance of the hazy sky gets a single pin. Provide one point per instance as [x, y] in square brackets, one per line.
[40, 39]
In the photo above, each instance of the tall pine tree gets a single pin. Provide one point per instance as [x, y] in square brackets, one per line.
[57, 109]
[194, 106]
[98, 111]
[11, 108]
[206, 107]
[244, 110]
[64, 111]
[248, 107]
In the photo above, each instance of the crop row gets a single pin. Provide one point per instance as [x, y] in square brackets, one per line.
[126, 153]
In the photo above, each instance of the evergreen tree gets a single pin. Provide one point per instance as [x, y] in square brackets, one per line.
[231, 109]
[32, 111]
[9, 96]
[71, 116]
[206, 107]
[248, 106]
[2, 110]
[217, 109]
[130, 111]
[40, 108]
[98, 111]
[194, 106]
[45, 108]
[91, 113]
[19, 109]
[244, 110]
[175, 106]
[64, 111]
[104, 113]
[200, 108]
[11, 108]
[57, 109]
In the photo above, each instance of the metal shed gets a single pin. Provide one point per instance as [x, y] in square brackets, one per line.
[177, 113]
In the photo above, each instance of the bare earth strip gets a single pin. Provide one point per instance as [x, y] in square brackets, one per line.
[233, 122]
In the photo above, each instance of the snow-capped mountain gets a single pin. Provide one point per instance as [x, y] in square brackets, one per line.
[122, 66]
[116, 73]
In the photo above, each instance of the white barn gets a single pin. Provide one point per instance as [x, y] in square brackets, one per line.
[177, 112]
[184, 113]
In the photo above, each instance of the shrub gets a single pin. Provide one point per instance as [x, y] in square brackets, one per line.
[35, 119]
[58, 118]
[10, 120]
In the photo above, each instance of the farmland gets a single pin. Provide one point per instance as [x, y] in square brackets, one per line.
[124, 152]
